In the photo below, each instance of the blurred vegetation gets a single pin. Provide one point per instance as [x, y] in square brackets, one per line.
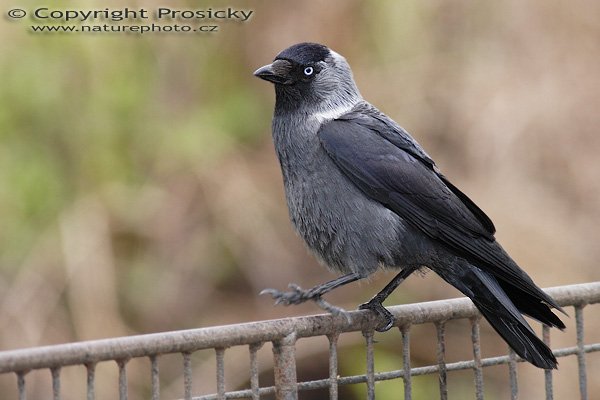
[139, 191]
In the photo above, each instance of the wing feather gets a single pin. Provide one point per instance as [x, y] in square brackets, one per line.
[401, 176]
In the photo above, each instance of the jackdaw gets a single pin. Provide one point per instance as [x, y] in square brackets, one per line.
[364, 195]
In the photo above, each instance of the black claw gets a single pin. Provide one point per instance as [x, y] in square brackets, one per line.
[382, 313]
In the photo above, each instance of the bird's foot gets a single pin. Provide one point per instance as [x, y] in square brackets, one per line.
[382, 312]
[298, 295]
[295, 296]
[333, 310]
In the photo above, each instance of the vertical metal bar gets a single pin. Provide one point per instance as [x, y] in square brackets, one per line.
[441, 358]
[254, 384]
[122, 379]
[406, 377]
[370, 365]
[21, 385]
[91, 381]
[333, 366]
[477, 369]
[581, 352]
[512, 374]
[187, 376]
[284, 355]
[154, 377]
[547, 372]
[55, 383]
[220, 353]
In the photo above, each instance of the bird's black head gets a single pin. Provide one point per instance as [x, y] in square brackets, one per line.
[307, 74]
[298, 63]
[304, 53]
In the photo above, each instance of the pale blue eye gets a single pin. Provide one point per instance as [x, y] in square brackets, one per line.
[308, 71]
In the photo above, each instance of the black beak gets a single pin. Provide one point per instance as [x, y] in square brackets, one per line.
[265, 72]
[276, 72]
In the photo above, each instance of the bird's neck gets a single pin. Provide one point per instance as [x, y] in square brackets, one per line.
[326, 107]
[330, 112]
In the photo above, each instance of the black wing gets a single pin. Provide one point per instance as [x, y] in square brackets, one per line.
[390, 167]
[369, 117]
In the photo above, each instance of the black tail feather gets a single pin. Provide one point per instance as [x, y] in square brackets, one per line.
[531, 306]
[503, 312]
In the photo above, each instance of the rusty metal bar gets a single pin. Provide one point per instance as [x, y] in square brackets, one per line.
[254, 383]
[122, 378]
[154, 377]
[406, 376]
[21, 385]
[242, 334]
[55, 383]
[477, 364]
[441, 358]
[370, 364]
[333, 367]
[512, 374]
[220, 353]
[187, 375]
[91, 381]
[547, 372]
[284, 333]
[389, 375]
[284, 355]
[580, 352]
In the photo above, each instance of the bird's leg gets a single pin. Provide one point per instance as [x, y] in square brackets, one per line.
[298, 295]
[375, 304]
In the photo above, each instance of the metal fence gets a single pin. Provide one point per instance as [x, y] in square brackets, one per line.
[283, 334]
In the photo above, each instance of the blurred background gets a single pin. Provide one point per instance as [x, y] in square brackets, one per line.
[139, 190]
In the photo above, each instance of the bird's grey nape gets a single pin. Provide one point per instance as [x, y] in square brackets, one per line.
[339, 96]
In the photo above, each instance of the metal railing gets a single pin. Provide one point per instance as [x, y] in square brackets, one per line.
[283, 334]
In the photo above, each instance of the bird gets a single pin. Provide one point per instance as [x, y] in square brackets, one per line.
[364, 195]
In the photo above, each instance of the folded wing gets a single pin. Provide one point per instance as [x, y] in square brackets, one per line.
[389, 166]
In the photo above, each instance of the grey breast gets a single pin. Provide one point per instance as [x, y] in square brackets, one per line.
[344, 228]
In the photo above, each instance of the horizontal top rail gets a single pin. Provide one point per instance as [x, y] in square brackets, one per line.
[123, 348]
